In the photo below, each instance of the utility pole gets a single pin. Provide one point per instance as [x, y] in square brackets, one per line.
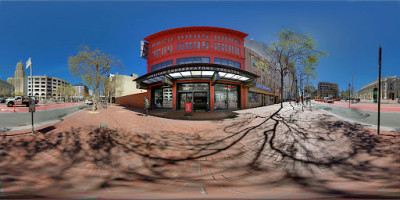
[379, 89]
[31, 100]
[352, 85]
[349, 94]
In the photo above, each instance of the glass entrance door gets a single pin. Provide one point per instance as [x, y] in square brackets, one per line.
[221, 98]
[185, 97]
[196, 93]
[200, 101]
[232, 98]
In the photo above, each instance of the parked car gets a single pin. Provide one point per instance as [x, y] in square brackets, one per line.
[2, 100]
[328, 100]
[398, 100]
[88, 102]
[19, 100]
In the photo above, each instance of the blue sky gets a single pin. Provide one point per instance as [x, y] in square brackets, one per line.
[50, 32]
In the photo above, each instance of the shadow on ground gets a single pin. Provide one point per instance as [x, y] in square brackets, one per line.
[180, 114]
[315, 152]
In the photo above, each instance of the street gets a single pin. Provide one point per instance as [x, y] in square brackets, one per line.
[390, 120]
[10, 121]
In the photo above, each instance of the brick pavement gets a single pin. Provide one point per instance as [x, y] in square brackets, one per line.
[293, 155]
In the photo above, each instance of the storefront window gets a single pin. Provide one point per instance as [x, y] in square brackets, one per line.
[253, 97]
[167, 97]
[162, 97]
[226, 97]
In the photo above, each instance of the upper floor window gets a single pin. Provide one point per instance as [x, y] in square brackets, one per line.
[189, 60]
[161, 65]
[226, 62]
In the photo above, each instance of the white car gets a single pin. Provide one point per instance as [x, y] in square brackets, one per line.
[88, 102]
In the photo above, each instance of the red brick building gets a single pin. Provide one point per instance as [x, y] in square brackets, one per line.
[202, 65]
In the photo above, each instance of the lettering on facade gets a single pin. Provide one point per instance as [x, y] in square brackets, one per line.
[196, 68]
[264, 87]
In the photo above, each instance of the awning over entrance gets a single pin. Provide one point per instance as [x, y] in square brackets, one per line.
[197, 71]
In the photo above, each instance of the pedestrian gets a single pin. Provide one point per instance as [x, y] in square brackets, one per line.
[146, 106]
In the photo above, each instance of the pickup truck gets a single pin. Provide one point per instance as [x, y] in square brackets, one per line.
[18, 100]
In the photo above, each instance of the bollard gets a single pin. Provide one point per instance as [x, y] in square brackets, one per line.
[15, 107]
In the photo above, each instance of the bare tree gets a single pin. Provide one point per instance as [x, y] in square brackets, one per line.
[109, 87]
[293, 49]
[92, 66]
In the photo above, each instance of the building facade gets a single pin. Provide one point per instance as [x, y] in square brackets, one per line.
[6, 89]
[81, 91]
[326, 89]
[19, 80]
[45, 87]
[390, 89]
[266, 88]
[125, 85]
[201, 65]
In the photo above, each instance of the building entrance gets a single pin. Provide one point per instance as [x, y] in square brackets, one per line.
[196, 93]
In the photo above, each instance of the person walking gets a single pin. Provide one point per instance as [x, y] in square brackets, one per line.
[146, 106]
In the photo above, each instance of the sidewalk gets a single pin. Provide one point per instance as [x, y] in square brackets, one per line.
[294, 155]
[368, 107]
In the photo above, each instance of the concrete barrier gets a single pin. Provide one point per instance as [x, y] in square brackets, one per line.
[133, 100]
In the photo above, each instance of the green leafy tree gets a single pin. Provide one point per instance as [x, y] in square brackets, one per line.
[69, 92]
[61, 91]
[294, 49]
[92, 66]
[344, 94]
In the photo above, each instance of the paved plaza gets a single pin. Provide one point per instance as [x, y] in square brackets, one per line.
[261, 153]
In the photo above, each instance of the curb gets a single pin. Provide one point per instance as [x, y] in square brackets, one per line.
[37, 125]
[385, 128]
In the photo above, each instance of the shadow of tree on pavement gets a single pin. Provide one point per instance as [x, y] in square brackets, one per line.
[306, 149]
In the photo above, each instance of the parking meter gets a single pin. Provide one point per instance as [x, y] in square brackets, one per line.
[31, 105]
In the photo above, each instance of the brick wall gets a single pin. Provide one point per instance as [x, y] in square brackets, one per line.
[133, 100]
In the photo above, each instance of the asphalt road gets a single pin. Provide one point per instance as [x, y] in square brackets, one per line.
[20, 121]
[389, 120]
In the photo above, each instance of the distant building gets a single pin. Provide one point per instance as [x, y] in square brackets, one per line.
[124, 85]
[45, 87]
[6, 88]
[81, 91]
[19, 79]
[326, 89]
[314, 94]
[390, 89]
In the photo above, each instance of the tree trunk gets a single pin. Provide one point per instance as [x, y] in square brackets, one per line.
[281, 88]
